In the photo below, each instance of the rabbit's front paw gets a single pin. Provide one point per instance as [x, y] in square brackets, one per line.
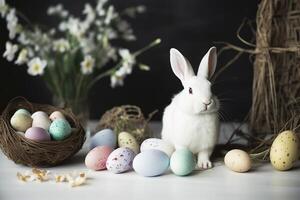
[204, 164]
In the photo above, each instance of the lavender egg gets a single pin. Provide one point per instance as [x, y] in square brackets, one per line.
[37, 134]
[120, 160]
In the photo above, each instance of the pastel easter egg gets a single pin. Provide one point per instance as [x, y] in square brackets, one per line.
[97, 157]
[284, 151]
[105, 137]
[37, 134]
[39, 114]
[159, 144]
[21, 122]
[23, 111]
[182, 162]
[42, 122]
[127, 140]
[60, 129]
[151, 163]
[237, 160]
[120, 160]
[56, 115]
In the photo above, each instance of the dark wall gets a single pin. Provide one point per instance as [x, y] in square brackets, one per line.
[191, 26]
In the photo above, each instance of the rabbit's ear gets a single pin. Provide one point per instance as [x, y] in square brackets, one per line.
[208, 63]
[180, 66]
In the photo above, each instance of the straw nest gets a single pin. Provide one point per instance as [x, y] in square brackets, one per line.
[127, 118]
[28, 152]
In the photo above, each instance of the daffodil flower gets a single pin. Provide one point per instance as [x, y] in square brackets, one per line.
[36, 66]
[87, 65]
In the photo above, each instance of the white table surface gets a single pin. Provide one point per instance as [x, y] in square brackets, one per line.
[217, 183]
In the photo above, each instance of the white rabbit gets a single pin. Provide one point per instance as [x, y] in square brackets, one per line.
[191, 120]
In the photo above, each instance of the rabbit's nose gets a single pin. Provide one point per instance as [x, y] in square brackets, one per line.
[207, 103]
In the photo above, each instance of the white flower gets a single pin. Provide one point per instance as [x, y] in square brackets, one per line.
[127, 56]
[12, 23]
[87, 65]
[110, 15]
[61, 45]
[36, 66]
[89, 12]
[3, 8]
[99, 7]
[2, 3]
[23, 57]
[141, 9]
[23, 39]
[11, 49]
[116, 80]
[57, 10]
[74, 26]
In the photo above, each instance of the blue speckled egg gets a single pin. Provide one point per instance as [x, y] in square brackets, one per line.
[151, 163]
[182, 162]
[60, 129]
[105, 137]
[120, 160]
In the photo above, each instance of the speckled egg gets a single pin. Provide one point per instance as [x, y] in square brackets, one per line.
[120, 160]
[39, 114]
[97, 157]
[21, 122]
[182, 162]
[238, 160]
[37, 134]
[56, 115]
[151, 163]
[159, 144]
[105, 137]
[284, 151]
[127, 140]
[23, 111]
[60, 129]
[42, 122]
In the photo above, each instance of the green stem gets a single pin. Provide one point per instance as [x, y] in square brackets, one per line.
[142, 50]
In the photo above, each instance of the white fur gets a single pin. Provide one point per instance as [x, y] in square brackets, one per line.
[187, 121]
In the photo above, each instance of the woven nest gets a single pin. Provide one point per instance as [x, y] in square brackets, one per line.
[127, 118]
[28, 152]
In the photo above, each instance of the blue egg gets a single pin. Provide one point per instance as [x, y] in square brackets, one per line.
[105, 137]
[151, 163]
[60, 129]
[182, 162]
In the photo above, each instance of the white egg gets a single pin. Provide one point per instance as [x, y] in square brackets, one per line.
[158, 144]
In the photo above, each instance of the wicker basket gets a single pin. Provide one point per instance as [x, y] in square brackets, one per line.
[28, 152]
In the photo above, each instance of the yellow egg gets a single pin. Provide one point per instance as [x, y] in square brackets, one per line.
[127, 140]
[237, 160]
[21, 122]
[284, 151]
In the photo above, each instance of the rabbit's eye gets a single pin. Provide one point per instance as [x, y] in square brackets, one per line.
[190, 90]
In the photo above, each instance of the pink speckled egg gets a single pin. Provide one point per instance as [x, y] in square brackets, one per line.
[56, 115]
[120, 160]
[37, 134]
[96, 158]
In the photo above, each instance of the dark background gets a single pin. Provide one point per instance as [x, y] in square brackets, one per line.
[192, 26]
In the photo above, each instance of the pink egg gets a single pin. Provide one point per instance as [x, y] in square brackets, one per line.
[97, 157]
[37, 134]
[56, 115]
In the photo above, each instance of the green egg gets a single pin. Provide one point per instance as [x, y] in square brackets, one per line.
[182, 162]
[60, 129]
[23, 111]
